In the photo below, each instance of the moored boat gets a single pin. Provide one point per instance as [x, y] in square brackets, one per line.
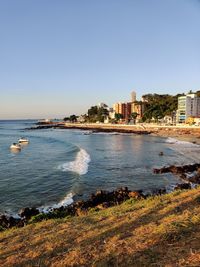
[23, 140]
[15, 146]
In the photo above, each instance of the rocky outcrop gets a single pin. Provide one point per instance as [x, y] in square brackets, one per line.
[182, 186]
[189, 173]
[93, 129]
[7, 221]
[99, 200]
[27, 213]
[178, 169]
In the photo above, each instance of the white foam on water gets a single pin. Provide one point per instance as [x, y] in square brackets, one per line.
[110, 133]
[67, 200]
[79, 165]
[189, 151]
[171, 140]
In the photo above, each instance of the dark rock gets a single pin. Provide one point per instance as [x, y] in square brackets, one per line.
[3, 221]
[161, 153]
[161, 191]
[27, 213]
[9, 221]
[125, 189]
[195, 179]
[182, 186]
[182, 171]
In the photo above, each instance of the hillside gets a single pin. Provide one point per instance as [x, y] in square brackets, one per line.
[159, 231]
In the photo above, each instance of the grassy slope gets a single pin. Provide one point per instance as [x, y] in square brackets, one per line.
[160, 231]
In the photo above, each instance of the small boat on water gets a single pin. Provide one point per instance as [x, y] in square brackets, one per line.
[23, 140]
[15, 146]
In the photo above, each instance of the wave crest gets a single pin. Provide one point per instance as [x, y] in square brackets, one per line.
[171, 140]
[67, 200]
[79, 165]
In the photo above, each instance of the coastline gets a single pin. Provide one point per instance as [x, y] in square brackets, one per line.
[189, 134]
[120, 221]
[189, 174]
[157, 231]
[184, 133]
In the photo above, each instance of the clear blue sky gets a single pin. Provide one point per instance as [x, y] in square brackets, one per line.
[59, 57]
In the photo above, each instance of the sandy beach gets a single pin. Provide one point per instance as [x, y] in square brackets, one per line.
[187, 133]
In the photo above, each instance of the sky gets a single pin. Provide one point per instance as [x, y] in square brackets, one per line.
[59, 57]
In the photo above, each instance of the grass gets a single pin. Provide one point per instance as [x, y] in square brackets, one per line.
[159, 231]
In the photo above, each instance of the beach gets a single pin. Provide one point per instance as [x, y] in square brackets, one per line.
[182, 132]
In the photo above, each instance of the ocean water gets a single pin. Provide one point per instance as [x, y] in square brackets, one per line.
[60, 166]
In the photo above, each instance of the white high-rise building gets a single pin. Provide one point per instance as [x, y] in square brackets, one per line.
[133, 96]
[188, 106]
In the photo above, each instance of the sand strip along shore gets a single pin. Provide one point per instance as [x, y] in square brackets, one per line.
[192, 133]
[182, 132]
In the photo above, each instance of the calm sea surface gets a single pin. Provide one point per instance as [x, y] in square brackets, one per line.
[61, 165]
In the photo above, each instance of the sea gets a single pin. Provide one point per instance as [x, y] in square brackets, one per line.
[60, 166]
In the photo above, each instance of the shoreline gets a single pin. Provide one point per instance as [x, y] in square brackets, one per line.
[185, 133]
[189, 174]
[186, 184]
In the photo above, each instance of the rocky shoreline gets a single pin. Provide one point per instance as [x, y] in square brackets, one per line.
[93, 129]
[190, 174]
[188, 133]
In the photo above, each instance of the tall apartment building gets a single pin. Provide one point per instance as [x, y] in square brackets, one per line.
[133, 96]
[188, 106]
[124, 109]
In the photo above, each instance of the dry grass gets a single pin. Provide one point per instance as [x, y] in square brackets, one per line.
[159, 231]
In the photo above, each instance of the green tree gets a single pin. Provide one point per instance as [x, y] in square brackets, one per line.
[73, 118]
[66, 119]
[118, 116]
[97, 114]
[157, 106]
[134, 116]
[93, 111]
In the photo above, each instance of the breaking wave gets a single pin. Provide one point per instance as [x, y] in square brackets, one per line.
[171, 140]
[67, 200]
[188, 150]
[79, 165]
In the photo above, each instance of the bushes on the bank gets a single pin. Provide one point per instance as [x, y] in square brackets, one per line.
[46, 216]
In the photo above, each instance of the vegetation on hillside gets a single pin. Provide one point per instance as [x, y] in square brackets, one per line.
[159, 231]
[157, 106]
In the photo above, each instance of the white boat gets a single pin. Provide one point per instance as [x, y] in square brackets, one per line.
[15, 146]
[23, 140]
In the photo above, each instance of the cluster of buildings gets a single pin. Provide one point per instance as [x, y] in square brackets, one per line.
[127, 109]
[188, 111]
